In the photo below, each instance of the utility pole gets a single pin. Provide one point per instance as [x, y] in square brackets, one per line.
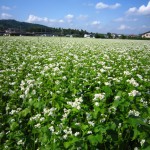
[20, 30]
[61, 33]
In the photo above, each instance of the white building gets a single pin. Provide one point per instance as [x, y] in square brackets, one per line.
[87, 35]
[146, 35]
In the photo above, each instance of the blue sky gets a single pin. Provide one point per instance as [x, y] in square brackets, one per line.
[102, 16]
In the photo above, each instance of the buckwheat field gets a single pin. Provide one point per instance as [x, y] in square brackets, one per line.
[74, 93]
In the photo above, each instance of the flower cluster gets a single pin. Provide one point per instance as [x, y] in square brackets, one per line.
[49, 112]
[36, 117]
[133, 82]
[76, 104]
[112, 110]
[66, 113]
[15, 111]
[99, 96]
[103, 119]
[73, 93]
[134, 113]
[134, 93]
[67, 131]
[20, 142]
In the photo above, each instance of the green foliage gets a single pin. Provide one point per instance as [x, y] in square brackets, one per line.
[95, 139]
[99, 36]
[14, 126]
[23, 27]
[74, 94]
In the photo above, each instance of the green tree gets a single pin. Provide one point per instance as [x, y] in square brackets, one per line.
[109, 35]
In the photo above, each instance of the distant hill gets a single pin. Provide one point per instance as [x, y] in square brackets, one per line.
[31, 27]
[5, 24]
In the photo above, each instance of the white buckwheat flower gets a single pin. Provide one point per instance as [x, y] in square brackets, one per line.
[133, 82]
[37, 125]
[142, 142]
[117, 97]
[100, 96]
[119, 126]
[134, 93]
[89, 132]
[134, 113]
[127, 73]
[102, 120]
[77, 133]
[20, 142]
[51, 128]
[77, 124]
[91, 123]
[96, 103]
[65, 136]
[76, 104]
[139, 76]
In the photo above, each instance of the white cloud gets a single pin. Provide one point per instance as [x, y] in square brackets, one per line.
[82, 17]
[142, 10]
[95, 23]
[5, 16]
[101, 5]
[122, 19]
[124, 27]
[5, 7]
[35, 19]
[61, 21]
[132, 10]
[115, 6]
[69, 18]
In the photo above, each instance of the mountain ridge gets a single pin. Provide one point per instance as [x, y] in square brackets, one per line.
[33, 27]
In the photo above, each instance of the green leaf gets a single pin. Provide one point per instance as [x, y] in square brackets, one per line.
[93, 139]
[99, 138]
[116, 103]
[107, 90]
[67, 144]
[96, 111]
[84, 127]
[14, 126]
[57, 106]
[43, 138]
[113, 126]
[136, 133]
[147, 148]
[24, 112]
[137, 121]
[119, 93]
[71, 143]
[45, 129]
[99, 129]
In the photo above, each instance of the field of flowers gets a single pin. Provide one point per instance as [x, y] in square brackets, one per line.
[76, 94]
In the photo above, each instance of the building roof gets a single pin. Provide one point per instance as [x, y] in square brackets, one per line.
[145, 32]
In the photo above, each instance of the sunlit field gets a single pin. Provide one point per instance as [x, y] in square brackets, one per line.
[74, 93]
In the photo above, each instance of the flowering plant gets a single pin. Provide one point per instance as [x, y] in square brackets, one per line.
[74, 94]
